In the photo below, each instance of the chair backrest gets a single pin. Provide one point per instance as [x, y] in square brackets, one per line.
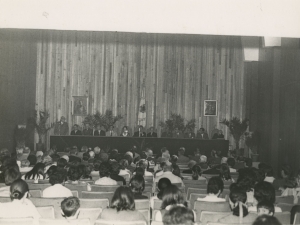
[212, 223]
[89, 213]
[77, 187]
[119, 222]
[16, 221]
[157, 204]
[193, 198]
[297, 218]
[283, 217]
[148, 194]
[157, 223]
[35, 193]
[195, 182]
[285, 207]
[46, 212]
[5, 199]
[148, 189]
[97, 195]
[64, 222]
[75, 193]
[208, 216]
[33, 186]
[142, 204]
[285, 199]
[104, 188]
[200, 206]
[94, 203]
[55, 202]
[195, 191]
[146, 213]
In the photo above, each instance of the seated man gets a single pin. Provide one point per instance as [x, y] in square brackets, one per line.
[76, 130]
[179, 215]
[151, 132]
[215, 188]
[177, 133]
[104, 172]
[190, 166]
[190, 134]
[111, 132]
[73, 155]
[168, 174]
[87, 130]
[57, 190]
[99, 132]
[181, 157]
[140, 132]
[201, 134]
[70, 208]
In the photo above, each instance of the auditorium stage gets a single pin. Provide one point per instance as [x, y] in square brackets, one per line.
[123, 144]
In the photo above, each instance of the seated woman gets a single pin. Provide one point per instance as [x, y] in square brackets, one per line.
[237, 200]
[225, 173]
[197, 173]
[37, 173]
[137, 185]
[172, 196]
[162, 184]
[104, 172]
[122, 207]
[115, 170]
[215, 188]
[125, 132]
[20, 206]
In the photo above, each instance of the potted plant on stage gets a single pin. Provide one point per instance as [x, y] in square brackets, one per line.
[39, 123]
[237, 129]
[251, 140]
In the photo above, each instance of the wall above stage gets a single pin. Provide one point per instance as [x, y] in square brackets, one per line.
[175, 72]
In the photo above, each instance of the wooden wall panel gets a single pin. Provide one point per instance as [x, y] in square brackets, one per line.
[175, 72]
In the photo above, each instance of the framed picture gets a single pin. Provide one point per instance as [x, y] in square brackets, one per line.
[210, 107]
[80, 105]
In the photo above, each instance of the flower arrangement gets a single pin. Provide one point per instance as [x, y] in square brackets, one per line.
[106, 120]
[177, 121]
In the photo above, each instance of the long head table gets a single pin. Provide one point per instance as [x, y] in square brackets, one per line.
[123, 144]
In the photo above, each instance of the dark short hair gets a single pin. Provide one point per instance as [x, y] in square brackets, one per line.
[172, 196]
[73, 173]
[96, 165]
[104, 169]
[123, 199]
[264, 191]
[70, 205]
[196, 172]
[287, 169]
[11, 175]
[55, 157]
[248, 162]
[267, 205]
[115, 168]
[231, 162]
[51, 170]
[179, 215]
[137, 184]
[215, 184]
[62, 163]
[225, 172]
[162, 184]
[57, 177]
[140, 171]
[238, 195]
[32, 160]
[18, 189]
[269, 171]
[266, 220]
[85, 156]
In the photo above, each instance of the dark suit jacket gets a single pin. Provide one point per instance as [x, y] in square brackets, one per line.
[152, 135]
[102, 133]
[87, 132]
[78, 132]
[73, 158]
[189, 135]
[136, 134]
[61, 129]
[179, 135]
[216, 136]
[205, 136]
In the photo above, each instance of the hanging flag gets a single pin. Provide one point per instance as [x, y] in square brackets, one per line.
[142, 110]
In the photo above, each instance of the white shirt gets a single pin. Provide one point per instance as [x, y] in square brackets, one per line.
[168, 174]
[211, 198]
[269, 179]
[18, 209]
[106, 181]
[57, 191]
[232, 170]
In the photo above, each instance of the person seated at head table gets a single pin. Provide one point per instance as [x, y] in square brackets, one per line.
[140, 132]
[76, 130]
[177, 133]
[111, 132]
[151, 132]
[190, 134]
[201, 134]
[218, 135]
[98, 131]
[122, 207]
[87, 131]
[125, 132]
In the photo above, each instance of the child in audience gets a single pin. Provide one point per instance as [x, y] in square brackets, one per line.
[265, 208]
[137, 185]
[172, 196]
[197, 173]
[104, 172]
[237, 200]
[179, 215]
[70, 208]
[215, 188]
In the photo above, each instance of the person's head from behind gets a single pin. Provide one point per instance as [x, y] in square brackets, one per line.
[57, 177]
[269, 171]
[181, 151]
[70, 207]
[248, 162]
[168, 167]
[176, 170]
[139, 171]
[264, 191]
[179, 215]
[92, 154]
[97, 150]
[11, 175]
[32, 160]
[237, 200]
[191, 164]
[162, 184]
[266, 220]
[286, 171]
[85, 156]
[104, 169]
[18, 190]
[84, 148]
[230, 162]
[137, 184]
[129, 158]
[164, 150]
[123, 199]
[62, 163]
[225, 172]
[123, 164]
[174, 159]
[203, 159]
[197, 172]
[51, 170]
[115, 168]
[265, 208]
[215, 186]
[172, 196]
[73, 173]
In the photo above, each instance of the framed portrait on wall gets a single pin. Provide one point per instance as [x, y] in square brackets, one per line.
[80, 105]
[210, 107]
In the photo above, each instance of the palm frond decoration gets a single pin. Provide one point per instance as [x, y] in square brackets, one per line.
[176, 120]
[236, 127]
